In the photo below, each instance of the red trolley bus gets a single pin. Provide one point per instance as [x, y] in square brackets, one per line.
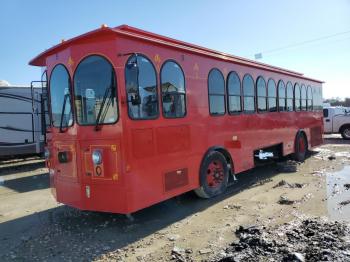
[137, 118]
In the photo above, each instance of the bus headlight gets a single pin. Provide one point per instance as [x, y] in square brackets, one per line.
[46, 153]
[97, 157]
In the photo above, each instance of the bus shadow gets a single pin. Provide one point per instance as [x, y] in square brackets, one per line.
[28, 183]
[89, 235]
[19, 167]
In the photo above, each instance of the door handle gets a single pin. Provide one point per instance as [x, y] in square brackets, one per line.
[327, 120]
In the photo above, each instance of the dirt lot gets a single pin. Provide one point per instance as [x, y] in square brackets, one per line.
[34, 227]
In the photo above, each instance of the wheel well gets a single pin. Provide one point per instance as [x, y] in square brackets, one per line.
[342, 127]
[301, 132]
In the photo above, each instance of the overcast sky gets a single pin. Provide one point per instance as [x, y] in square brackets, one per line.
[238, 27]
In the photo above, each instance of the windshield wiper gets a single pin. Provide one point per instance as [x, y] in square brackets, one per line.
[62, 112]
[102, 107]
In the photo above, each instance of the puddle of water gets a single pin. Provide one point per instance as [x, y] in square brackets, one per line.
[337, 193]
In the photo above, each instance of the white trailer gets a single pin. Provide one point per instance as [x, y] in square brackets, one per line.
[22, 127]
[337, 120]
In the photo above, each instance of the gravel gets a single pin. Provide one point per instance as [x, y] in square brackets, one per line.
[299, 240]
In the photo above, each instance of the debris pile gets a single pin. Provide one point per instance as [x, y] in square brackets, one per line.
[284, 200]
[284, 183]
[299, 240]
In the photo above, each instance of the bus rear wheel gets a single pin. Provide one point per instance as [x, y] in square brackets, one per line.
[213, 175]
[301, 148]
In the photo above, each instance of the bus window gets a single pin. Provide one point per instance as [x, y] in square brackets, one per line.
[297, 93]
[173, 90]
[272, 94]
[95, 92]
[248, 94]
[289, 96]
[281, 96]
[141, 88]
[60, 97]
[303, 97]
[216, 91]
[261, 94]
[234, 93]
[317, 98]
[309, 99]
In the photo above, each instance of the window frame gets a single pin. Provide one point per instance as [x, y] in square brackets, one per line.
[268, 96]
[228, 94]
[116, 90]
[161, 91]
[71, 96]
[224, 95]
[48, 94]
[254, 96]
[257, 96]
[157, 87]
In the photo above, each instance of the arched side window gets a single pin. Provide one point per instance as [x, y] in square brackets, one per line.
[289, 96]
[234, 93]
[309, 103]
[95, 92]
[216, 92]
[141, 88]
[281, 96]
[60, 97]
[303, 98]
[297, 101]
[248, 94]
[272, 95]
[173, 90]
[261, 94]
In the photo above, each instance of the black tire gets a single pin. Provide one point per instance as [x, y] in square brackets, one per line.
[214, 167]
[301, 147]
[345, 132]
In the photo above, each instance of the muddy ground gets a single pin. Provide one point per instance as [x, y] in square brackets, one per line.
[33, 227]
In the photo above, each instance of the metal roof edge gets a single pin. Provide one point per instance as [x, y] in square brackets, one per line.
[134, 32]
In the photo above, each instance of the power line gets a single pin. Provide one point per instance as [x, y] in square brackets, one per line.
[259, 55]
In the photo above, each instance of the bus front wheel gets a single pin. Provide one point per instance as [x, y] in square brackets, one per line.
[301, 148]
[213, 175]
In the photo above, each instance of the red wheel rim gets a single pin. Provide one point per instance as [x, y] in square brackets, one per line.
[215, 174]
[302, 146]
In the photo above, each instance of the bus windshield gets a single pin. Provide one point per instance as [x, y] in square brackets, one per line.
[95, 92]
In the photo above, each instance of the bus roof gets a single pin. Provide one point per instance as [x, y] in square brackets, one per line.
[133, 32]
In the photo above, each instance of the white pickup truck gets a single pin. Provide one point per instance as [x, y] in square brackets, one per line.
[337, 120]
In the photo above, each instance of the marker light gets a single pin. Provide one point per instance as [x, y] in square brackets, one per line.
[96, 157]
[47, 153]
